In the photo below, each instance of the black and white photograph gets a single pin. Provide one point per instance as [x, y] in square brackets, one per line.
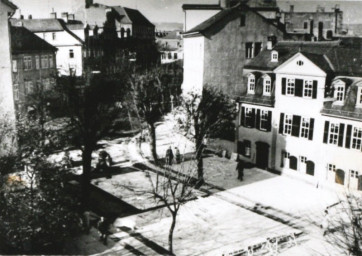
[181, 127]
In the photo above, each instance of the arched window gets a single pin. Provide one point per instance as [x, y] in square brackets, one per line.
[251, 84]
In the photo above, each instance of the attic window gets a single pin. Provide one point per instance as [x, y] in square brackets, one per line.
[267, 86]
[274, 56]
[300, 63]
[242, 20]
[251, 84]
[339, 92]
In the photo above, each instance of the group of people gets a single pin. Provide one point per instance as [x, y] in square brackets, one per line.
[169, 156]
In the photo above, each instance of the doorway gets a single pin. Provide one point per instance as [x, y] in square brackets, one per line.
[262, 155]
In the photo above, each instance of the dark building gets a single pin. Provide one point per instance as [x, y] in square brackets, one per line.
[33, 66]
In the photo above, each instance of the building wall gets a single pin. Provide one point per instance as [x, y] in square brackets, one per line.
[6, 94]
[193, 64]
[195, 17]
[171, 56]
[225, 54]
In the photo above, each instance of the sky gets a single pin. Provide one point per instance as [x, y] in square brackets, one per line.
[171, 11]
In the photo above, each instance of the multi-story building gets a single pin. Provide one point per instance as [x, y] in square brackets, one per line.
[65, 34]
[301, 113]
[33, 66]
[323, 25]
[170, 45]
[216, 50]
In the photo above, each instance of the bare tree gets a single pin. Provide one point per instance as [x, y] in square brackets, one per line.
[206, 115]
[173, 189]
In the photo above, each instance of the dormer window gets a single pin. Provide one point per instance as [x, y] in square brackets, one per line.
[274, 56]
[267, 86]
[339, 92]
[251, 84]
[359, 97]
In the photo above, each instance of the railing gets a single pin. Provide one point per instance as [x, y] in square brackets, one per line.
[342, 113]
[260, 100]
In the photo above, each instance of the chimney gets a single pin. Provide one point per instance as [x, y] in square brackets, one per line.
[71, 16]
[271, 42]
[336, 8]
[53, 15]
[291, 8]
[21, 17]
[30, 17]
[224, 4]
[88, 3]
[65, 17]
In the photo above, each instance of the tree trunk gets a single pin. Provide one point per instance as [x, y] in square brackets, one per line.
[170, 234]
[86, 177]
[152, 129]
[200, 163]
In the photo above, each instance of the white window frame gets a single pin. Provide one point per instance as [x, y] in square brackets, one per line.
[15, 66]
[71, 54]
[251, 84]
[339, 91]
[290, 87]
[333, 134]
[248, 113]
[305, 127]
[264, 115]
[267, 86]
[44, 61]
[274, 56]
[288, 124]
[357, 138]
[51, 61]
[37, 62]
[331, 167]
[353, 174]
[28, 64]
[308, 89]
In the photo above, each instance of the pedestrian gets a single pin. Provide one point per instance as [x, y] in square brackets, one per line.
[169, 156]
[104, 161]
[103, 227]
[177, 155]
[240, 169]
[325, 222]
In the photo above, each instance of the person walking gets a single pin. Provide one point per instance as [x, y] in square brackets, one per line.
[103, 227]
[240, 169]
[169, 156]
[177, 155]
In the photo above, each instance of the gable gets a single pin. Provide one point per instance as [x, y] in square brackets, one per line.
[300, 65]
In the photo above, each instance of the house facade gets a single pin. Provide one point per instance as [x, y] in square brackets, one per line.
[301, 114]
[170, 45]
[216, 50]
[58, 33]
[33, 66]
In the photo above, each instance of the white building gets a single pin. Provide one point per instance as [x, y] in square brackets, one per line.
[170, 45]
[301, 114]
[198, 13]
[66, 34]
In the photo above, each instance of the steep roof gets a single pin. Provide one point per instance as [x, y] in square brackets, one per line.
[137, 17]
[22, 40]
[75, 24]
[331, 56]
[10, 4]
[40, 25]
[201, 7]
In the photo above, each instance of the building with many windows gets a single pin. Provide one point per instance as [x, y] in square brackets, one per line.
[302, 112]
[170, 45]
[33, 66]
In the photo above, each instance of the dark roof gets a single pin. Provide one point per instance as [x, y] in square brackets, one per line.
[40, 25]
[332, 56]
[171, 35]
[137, 17]
[10, 4]
[22, 40]
[201, 7]
[74, 24]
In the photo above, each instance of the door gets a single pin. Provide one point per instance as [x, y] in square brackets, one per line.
[340, 176]
[262, 155]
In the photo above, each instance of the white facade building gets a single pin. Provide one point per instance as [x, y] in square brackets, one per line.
[301, 114]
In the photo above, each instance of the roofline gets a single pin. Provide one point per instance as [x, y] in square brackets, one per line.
[201, 7]
[10, 4]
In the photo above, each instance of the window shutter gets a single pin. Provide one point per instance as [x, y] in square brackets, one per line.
[241, 148]
[298, 87]
[315, 87]
[284, 85]
[242, 118]
[257, 121]
[268, 127]
[326, 130]
[340, 135]
[311, 129]
[296, 126]
[253, 118]
[281, 123]
[348, 136]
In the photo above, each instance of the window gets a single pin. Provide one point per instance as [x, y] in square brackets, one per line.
[257, 48]
[274, 56]
[71, 54]
[290, 86]
[305, 25]
[37, 62]
[359, 99]
[249, 118]
[53, 36]
[28, 87]
[16, 92]
[51, 62]
[339, 92]
[331, 168]
[46, 83]
[15, 66]
[248, 50]
[308, 88]
[333, 134]
[175, 56]
[28, 65]
[267, 86]
[169, 55]
[357, 138]
[44, 61]
[288, 122]
[305, 128]
[354, 174]
[300, 63]
[302, 159]
[242, 20]
[247, 147]
[251, 84]
[264, 120]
